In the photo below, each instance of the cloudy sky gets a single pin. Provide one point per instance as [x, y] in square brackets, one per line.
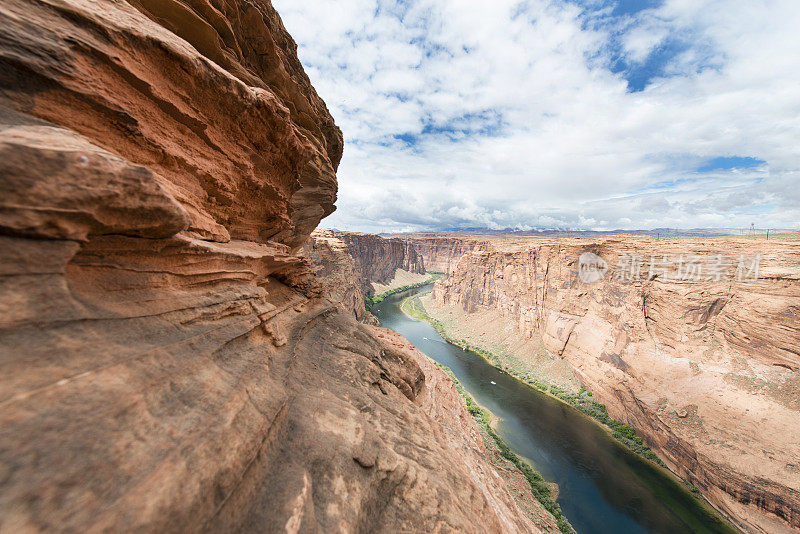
[591, 114]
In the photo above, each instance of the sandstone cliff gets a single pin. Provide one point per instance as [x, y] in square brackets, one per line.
[377, 259]
[441, 254]
[335, 269]
[351, 266]
[705, 371]
[168, 362]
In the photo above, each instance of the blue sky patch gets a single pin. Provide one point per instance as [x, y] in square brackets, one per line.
[618, 8]
[618, 18]
[723, 163]
[484, 123]
[640, 74]
[408, 138]
[631, 7]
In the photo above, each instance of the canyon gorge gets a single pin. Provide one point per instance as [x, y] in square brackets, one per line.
[182, 349]
[706, 372]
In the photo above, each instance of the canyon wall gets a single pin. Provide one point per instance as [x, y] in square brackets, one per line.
[170, 363]
[706, 371]
[441, 254]
[377, 259]
[351, 266]
[336, 270]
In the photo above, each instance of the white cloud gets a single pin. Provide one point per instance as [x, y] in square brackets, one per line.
[518, 120]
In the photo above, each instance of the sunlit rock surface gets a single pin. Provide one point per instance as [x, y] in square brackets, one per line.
[441, 254]
[335, 268]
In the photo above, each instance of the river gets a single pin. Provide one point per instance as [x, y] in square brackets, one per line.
[603, 486]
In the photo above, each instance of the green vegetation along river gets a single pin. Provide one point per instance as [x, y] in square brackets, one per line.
[603, 486]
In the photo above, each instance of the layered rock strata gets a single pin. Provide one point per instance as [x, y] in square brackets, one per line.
[706, 371]
[377, 259]
[169, 361]
[441, 254]
[336, 270]
[351, 266]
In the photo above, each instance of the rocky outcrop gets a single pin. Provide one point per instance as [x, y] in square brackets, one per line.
[335, 268]
[377, 259]
[352, 265]
[705, 370]
[169, 362]
[440, 400]
[159, 86]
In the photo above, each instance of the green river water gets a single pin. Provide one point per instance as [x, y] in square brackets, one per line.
[603, 486]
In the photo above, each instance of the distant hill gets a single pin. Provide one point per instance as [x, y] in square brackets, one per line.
[558, 232]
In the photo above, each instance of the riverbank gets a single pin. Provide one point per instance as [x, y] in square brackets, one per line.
[603, 485]
[582, 400]
[705, 371]
[369, 302]
[401, 278]
[495, 444]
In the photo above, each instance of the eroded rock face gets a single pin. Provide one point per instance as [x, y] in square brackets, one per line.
[335, 268]
[706, 371]
[351, 266]
[226, 121]
[441, 254]
[169, 362]
[377, 259]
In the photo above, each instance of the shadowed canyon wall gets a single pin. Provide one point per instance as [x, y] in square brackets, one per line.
[350, 264]
[706, 371]
[170, 363]
[377, 259]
